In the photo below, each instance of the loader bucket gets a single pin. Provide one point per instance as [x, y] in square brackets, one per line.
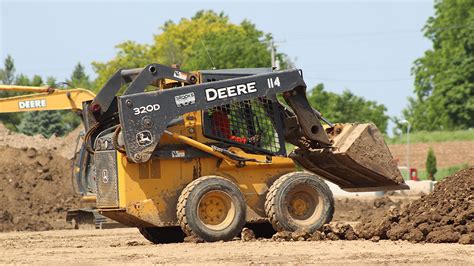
[359, 160]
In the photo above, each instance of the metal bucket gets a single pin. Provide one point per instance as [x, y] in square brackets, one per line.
[359, 160]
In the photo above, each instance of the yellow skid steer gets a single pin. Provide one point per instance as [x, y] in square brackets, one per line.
[203, 153]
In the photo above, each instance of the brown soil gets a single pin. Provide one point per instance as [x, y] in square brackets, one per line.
[444, 216]
[63, 147]
[35, 190]
[348, 212]
[354, 210]
[127, 246]
[447, 153]
[370, 151]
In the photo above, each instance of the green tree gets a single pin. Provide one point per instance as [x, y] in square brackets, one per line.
[46, 123]
[431, 164]
[37, 81]
[347, 107]
[444, 76]
[205, 41]
[7, 77]
[7, 74]
[79, 78]
[22, 80]
[51, 82]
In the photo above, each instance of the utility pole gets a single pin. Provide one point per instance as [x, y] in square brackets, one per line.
[272, 47]
[273, 52]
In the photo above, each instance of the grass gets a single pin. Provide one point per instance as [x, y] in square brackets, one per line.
[434, 136]
[442, 173]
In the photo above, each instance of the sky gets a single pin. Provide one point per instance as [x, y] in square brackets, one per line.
[367, 47]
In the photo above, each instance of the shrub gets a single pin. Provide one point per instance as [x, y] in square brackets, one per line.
[431, 164]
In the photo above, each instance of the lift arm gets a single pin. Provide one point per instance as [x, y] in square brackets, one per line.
[354, 156]
[144, 116]
[139, 79]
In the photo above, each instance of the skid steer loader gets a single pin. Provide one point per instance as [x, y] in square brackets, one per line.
[205, 152]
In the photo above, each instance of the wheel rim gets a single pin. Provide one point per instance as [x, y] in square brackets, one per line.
[304, 205]
[216, 210]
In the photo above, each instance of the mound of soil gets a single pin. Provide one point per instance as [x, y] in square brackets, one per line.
[62, 146]
[354, 210]
[35, 190]
[444, 216]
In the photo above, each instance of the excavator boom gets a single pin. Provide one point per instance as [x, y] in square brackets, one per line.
[43, 99]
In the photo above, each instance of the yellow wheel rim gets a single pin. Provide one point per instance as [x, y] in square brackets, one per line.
[216, 210]
[304, 205]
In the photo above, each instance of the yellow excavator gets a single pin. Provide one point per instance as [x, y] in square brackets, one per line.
[44, 98]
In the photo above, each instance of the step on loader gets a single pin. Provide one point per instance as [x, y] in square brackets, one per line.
[203, 153]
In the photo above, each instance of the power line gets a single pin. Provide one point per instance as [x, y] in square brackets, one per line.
[207, 52]
[359, 80]
[379, 33]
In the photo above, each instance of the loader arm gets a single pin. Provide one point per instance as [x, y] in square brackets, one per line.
[44, 99]
[139, 79]
[354, 156]
[145, 116]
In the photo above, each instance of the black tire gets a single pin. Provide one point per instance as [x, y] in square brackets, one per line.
[84, 220]
[299, 200]
[162, 235]
[199, 215]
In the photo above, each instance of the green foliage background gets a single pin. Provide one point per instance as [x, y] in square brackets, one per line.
[205, 41]
[444, 76]
[347, 107]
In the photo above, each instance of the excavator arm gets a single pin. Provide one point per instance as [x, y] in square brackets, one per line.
[43, 99]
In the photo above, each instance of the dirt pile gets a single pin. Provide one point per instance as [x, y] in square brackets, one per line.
[62, 146]
[354, 210]
[35, 190]
[336, 231]
[444, 216]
